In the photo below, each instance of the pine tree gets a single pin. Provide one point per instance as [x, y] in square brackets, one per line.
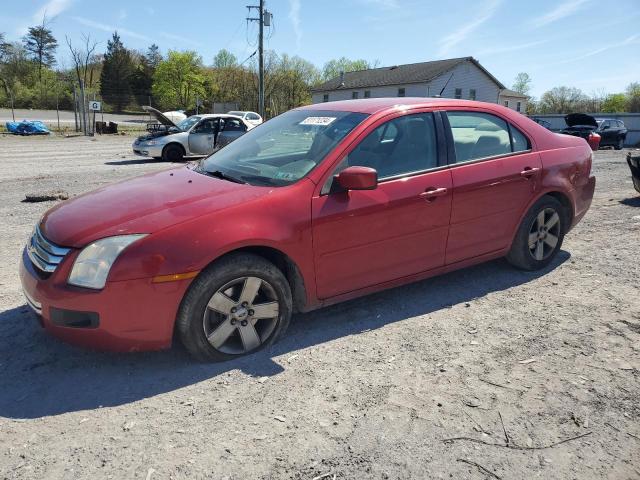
[41, 45]
[117, 72]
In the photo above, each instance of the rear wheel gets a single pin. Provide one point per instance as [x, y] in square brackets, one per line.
[236, 307]
[620, 144]
[539, 236]
[173, 153]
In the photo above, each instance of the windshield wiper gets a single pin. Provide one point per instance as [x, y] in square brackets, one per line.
[223, 176]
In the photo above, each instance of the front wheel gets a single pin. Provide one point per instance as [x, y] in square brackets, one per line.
[173, 153]
[539, 236]
[236, 307]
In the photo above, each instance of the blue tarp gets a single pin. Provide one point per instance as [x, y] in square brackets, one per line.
[27, 127]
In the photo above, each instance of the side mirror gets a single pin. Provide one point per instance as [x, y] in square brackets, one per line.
[358, 178]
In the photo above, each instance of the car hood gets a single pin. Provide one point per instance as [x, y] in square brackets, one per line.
[159, 116]
[142, 205]
[582, 119]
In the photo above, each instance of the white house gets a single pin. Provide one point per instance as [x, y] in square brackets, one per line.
[453, 78]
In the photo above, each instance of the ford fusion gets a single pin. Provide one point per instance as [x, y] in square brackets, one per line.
[318, 205]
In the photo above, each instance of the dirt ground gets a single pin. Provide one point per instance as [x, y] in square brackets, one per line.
[514, 362]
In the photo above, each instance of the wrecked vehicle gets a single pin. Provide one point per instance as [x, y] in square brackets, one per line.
[613, 133]
[633, 160]
[198, 135]
[584, 126]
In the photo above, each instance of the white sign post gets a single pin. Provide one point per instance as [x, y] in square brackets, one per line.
[95, 106]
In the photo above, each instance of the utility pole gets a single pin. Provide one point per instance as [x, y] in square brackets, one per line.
[264, 20]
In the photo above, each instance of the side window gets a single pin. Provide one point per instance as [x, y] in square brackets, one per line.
[478, 135]
[354, 95]
[472, 94]
[325, 97]
[401, 92]
[400, 146]
[367, 94]
[458, 93]
[233, 125]
[206, 126]
[252, 116]
[519, 141]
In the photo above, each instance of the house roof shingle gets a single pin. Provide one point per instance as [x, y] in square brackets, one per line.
[398, 75]
[511, 93]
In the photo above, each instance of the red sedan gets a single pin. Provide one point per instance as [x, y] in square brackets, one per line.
[319, 205]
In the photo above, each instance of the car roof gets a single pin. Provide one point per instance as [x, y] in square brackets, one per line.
[375, 105]
[217, 115]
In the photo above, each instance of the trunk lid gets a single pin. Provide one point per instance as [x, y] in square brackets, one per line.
[580, 119]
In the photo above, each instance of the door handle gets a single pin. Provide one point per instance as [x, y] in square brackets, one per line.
[431, 193]
[529, 172]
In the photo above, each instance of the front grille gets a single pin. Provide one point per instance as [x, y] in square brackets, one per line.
[45, 255]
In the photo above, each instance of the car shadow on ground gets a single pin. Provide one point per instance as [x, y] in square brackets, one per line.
[42, 376]
[137, 161]
[631, 202]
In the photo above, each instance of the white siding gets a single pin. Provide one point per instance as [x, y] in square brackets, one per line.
[466, 76]
[513, 102]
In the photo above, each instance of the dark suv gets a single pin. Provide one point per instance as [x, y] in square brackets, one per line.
[613, 132]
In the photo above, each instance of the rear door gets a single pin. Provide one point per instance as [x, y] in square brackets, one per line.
[495, 175]
[230, 129]
[368, 237]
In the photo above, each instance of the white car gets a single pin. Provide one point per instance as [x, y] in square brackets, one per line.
[198, 135]
[251, 117]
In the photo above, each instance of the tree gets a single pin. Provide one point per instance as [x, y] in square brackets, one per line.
[225, 59]
[142, 78]
[333, 68]
[563, 100]
[41, 45]
[179, 79]
[153, 56]
[633, 97]
[117, 72]
[522, 83]
[82, 58]
[614, 103]
[3, 47]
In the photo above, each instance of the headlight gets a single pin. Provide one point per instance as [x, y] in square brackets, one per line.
[92, 266]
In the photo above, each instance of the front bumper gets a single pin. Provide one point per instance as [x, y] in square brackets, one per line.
[130, 315]
[143, 150]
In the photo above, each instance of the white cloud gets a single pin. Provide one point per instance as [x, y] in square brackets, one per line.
[110, 28]
[632, 40]
[180, 39]
[565, 9]
[51, 9]
[460, 35]
[510, 48]
[294, 16]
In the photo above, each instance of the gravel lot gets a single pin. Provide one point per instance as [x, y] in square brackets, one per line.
[367, 389]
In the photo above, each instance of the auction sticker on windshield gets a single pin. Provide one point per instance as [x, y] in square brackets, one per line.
[321, 121]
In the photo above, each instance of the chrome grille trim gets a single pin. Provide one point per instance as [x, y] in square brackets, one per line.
[45, 255]
[35, 306]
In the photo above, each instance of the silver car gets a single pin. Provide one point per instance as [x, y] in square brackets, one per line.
[198, 135]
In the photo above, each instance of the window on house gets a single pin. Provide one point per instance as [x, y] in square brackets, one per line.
[325, 97]
[354, 95]
[518, 106]
[458, 93]
[367, 94]
[472, 94]
[401, 92]
[506, 103]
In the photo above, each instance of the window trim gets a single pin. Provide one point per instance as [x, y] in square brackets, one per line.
[441, 150]
[451, 149]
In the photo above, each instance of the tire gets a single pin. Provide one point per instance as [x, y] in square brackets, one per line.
[620, 144]
[213, 322]
[173, 153]
[157, 158]
[528, 256]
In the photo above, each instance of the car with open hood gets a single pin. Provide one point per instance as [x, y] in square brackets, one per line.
[583, 126]
[195, 136]
[318, 205]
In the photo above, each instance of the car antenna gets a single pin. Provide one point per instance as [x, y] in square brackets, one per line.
[445, 86]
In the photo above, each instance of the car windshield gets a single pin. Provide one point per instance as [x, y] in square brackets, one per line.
[187, 123]
[284, 149]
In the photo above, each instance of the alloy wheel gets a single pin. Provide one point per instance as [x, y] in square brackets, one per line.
[544, 234]
[241, 315]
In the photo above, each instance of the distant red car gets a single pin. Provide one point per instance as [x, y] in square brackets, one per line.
[319, 205]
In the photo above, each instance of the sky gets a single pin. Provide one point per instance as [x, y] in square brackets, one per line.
[589, 44]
